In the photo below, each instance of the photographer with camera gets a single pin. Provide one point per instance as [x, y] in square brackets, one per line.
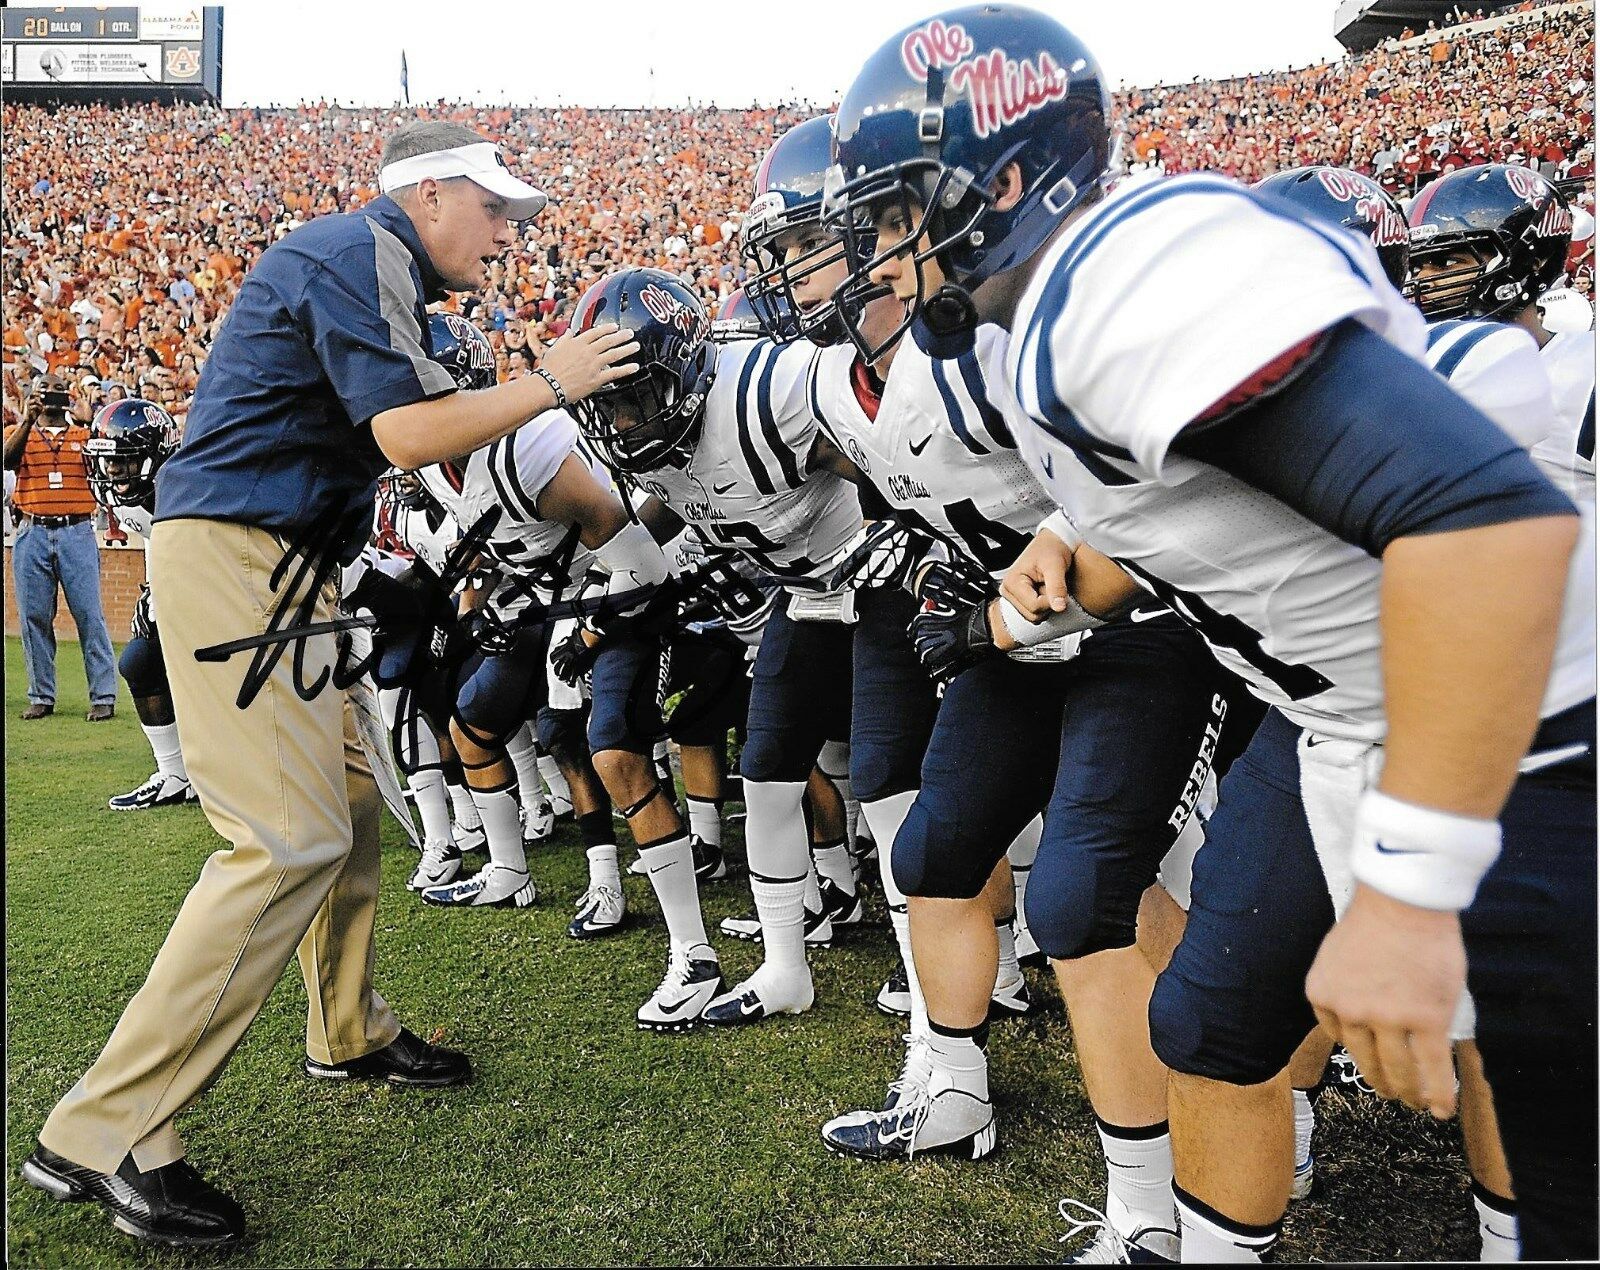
[56, 548]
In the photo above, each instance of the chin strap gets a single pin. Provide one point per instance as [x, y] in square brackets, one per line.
[945, 327]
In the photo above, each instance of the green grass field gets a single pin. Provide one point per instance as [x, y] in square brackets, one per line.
[582, 1140]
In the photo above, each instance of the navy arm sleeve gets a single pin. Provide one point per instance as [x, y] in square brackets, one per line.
[1371, 445]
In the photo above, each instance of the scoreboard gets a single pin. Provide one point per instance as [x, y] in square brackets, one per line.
[112, 46]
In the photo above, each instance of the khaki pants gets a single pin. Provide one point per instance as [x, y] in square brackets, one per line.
[285, 782]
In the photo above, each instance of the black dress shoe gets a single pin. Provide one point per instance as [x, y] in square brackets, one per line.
[406, 1060]
[169, 1205]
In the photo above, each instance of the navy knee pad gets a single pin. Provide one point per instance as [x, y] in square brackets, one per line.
[143, 668]
[1083, 896]
[625, 697]
[937, 855]
[499, 697]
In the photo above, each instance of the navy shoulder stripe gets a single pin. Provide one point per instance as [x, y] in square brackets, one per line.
[953, 411]
[1438, 330]
[769, 423]
[741, 410]
[1457, 353]
[993, 424]
[508, 485]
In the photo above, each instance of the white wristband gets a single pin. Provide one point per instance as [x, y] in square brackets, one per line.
[1073, 619]
[1060, 524]
[1433, 859]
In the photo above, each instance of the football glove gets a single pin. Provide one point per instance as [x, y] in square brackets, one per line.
[143, 625]
[949, 640]
[956, 583]
[572, 658]
[885, 553]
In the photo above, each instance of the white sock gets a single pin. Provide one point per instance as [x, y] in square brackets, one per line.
[433, 804]
[671, 868]
[466, 811]
[960, 1059]
[1021, 854]
[164, 745]
[1498, 1237]
[555, 782]
[705, 820]
[780, 906]
[1305, 1121]
[1138, 1178]
[1211, 1239]
[603, 867]
[1009, 971]
[884, 817]
[835, 863]
[776, 842]
[524, 756]
[502, 825]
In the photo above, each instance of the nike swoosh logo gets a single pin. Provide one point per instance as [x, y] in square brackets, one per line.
[749, 1006]
[723, 489]
[1383, 850]
[918, 449]
[676, 1005]
[652, 872]
[1313, 741]
[1146, 615]
[1549, 758]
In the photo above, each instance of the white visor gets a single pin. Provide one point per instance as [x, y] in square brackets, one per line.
[481, 163]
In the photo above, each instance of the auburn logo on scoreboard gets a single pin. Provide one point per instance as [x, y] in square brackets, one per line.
[183, 62]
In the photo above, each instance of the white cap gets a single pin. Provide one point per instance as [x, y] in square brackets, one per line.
[481, 163]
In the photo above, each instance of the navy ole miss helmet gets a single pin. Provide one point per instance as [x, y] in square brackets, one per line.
[932, 121]
[128, 442]
[736, 319]
[782, 241]
[463, 350]
[1488, 241]
[1338, 196]
[652, 418]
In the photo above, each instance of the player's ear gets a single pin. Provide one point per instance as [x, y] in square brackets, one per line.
[1007, 187]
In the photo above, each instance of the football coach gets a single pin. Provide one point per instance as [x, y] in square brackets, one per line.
[319, 378]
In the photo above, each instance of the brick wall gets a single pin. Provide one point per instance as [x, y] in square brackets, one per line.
[121, 574]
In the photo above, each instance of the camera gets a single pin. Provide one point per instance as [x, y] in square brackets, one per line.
[55, 399]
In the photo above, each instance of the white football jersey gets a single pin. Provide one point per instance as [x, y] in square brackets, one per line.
[1154, 306]
[136, 520]
[939, 450]
[1497, 367]
[745, 486]
[427, 536]
[1567, 453]
[532, 555]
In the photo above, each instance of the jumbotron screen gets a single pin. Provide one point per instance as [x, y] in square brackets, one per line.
[112, 45]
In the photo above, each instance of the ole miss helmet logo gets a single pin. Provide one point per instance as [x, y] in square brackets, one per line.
[1554, 219]
[1389, 228]
[1001, 89]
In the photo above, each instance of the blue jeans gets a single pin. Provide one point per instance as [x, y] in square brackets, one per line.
[68, 557]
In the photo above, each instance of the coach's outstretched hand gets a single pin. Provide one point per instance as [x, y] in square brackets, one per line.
[1385, 986]
[585, 362]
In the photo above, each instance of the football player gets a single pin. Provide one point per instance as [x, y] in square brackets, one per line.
[129, 440]
[1488, 242]
[721, 437]
[1114, 735]
[1207, 383]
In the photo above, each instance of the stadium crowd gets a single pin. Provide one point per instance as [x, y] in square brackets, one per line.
[126, 231]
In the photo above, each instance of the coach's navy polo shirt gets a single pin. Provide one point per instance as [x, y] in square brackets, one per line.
[328, 330]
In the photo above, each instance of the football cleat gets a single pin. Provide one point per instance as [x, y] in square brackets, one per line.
[538, 824]
[494, 886]
[637, 868]
[689, 986]
[560, 807]
[710, 864]
[894, 998]
[1151, 1245]
[470, 839]
[600, 912]
[439, 866]
[160, 790]
[1011, 1000]
[844, 908]
[762, 995]
[819, 929]
[864, 851]
[945, 1122]
[1305, 1178]
[1342, 1073]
